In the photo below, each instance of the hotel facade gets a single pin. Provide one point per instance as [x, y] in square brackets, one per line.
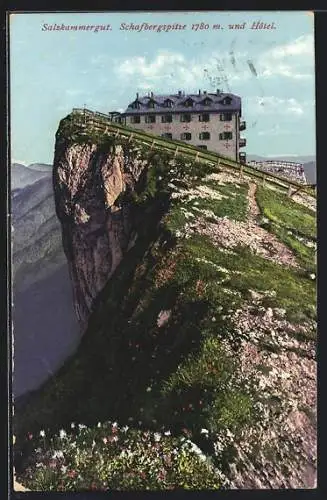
[206, 120]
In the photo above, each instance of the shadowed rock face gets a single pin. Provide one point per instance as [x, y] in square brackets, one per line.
[97, 226]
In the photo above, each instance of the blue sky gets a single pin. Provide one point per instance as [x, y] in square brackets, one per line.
[53, 71]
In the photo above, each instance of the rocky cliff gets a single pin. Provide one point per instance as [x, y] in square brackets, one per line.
[91, 193]
[197, 292]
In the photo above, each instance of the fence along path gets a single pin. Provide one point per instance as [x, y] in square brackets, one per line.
[103, 123]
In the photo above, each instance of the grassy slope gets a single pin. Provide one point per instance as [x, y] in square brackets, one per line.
[177, 375]
[294, 224]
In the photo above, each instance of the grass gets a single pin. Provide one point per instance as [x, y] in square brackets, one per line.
[289, 221]
[108, 458]
[233, 203]
[178, 375]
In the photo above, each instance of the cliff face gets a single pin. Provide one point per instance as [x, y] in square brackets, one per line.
[97, 224]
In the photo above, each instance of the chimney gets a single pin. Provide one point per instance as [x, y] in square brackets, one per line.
[218, 91]
[199, 91]
[137, 95]
[151, 94]
[179, 93]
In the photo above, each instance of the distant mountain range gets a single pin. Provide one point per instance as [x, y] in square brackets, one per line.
[42, 289]
[309, 164]
[23, 175]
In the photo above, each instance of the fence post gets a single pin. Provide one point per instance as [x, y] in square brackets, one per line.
[289, 193]
[218, 163]
[176, 151]
[116, 134]
[152, 144]
[131, 137]
[241, 172]
[196, 156]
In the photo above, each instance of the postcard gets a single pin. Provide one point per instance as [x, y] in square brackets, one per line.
[163, 205]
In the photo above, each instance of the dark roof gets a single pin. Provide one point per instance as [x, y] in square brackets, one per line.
[179, 99]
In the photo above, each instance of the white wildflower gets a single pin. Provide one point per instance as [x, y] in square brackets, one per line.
[204, 431]
[125, 429]
[167, 433]
[157, 436]
[114, 425]
[64, 468]
[81, 426]
[62, 434]
[42, 434]
[72, 425]
[57, 454]
[99, 424]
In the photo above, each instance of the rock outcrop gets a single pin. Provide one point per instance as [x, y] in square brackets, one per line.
[97, 225]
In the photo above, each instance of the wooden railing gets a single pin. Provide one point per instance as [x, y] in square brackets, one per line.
[102, 122]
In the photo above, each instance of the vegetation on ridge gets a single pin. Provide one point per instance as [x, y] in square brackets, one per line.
[162, 349]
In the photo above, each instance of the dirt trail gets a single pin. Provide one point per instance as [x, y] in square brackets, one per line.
[230, 233]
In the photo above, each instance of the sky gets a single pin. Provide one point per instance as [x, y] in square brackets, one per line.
[53, 71]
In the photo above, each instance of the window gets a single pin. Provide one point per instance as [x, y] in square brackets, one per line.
[167, 118]
[168, 103]
[167, 136]
[188, 103]
[225, 136]
[185, 118]
[206, 102]
[135, 119]
[204, 118]
[226, 100]
[226, 117]
[202, 146]
[186, 136]
[150, 119]
[135, 105]
[204, 136]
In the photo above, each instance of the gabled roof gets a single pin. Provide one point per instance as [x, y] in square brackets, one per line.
[179, 100]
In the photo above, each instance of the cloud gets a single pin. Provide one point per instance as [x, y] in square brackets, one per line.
[292, 60]
[171, 70]
[301, 46]
[276, 105]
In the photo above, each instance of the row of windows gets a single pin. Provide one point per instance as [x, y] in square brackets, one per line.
[189, 103]
[226, 117]
[204, 136]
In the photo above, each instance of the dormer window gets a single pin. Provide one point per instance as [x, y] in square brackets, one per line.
[168, 103]
[151, 103]
[135, 105]
[206, 102]
[188, 103]
[227, 100]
